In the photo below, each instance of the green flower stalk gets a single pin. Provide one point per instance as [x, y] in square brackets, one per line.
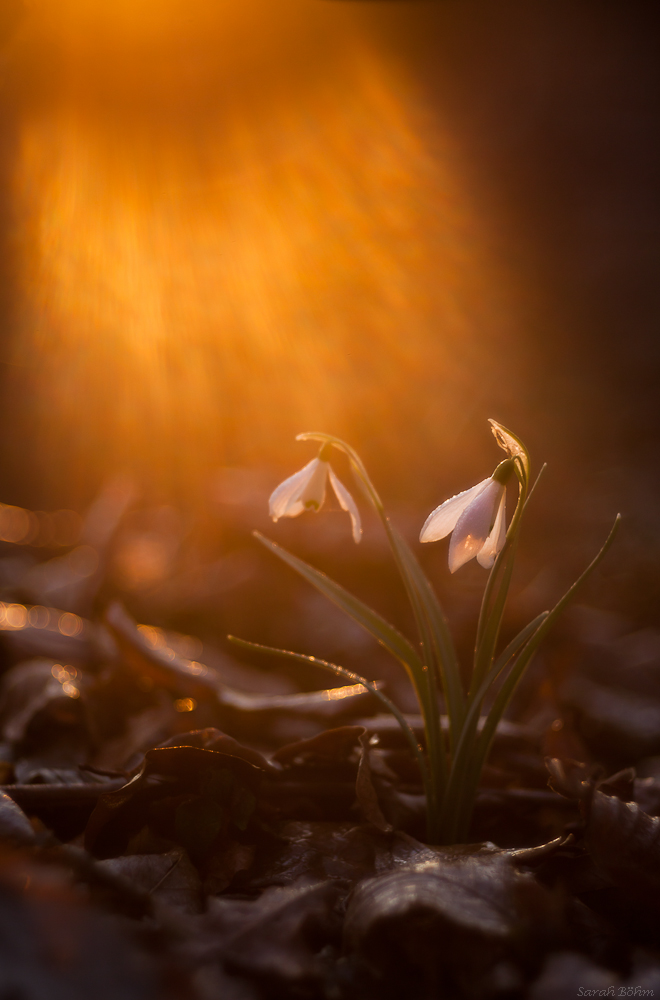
[450, 768]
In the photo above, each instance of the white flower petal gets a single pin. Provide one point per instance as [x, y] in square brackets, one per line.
[495, 541]
[347, 503]
[312, 494]
[444, 518]
[474, 525]
[288, 499]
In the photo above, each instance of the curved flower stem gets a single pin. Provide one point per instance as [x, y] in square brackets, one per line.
[410, 572]
[438, 652]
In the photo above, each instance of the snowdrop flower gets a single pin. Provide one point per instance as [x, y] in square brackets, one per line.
[476, 518]
[305, 490]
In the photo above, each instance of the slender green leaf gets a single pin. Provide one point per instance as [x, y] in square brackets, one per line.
[495, 595]
[465, 745]
[514, 647]
[421, 675]
[499, 580]
[388, 636]
[443, 646]
[535, 484]
[434, 736]
[507, 689]
[356, 679]
[497, 588]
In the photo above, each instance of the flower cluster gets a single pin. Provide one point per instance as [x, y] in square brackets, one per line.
[450, 764]
[476, 518]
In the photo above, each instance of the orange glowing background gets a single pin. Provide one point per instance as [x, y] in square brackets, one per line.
[240, 221]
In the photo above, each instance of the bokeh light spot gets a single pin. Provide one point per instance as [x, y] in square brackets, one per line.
[185, 705]
[154, 636]
[70, 624]
[38, 616]
[15, 616]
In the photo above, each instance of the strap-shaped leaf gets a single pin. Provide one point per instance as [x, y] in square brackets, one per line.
[356, 679]
[514, 647]
[388, 636]
[443, 646]
[421, 676]
[506, 692]
[497, 587]
[499, 579]
[461, 763]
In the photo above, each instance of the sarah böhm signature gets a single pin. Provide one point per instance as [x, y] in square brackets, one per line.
[616, 991]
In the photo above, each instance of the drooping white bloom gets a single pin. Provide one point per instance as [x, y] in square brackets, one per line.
[305, 490]
[476, 519]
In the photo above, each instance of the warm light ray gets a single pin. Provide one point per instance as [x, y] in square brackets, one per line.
[199, 294]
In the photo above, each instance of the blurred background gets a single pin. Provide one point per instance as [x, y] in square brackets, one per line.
[225, 223]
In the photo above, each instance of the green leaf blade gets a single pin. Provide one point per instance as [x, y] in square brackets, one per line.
[443, 650]
[508, 688]
[387, 635]
[371, 687]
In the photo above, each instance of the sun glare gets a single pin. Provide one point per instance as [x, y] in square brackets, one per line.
[198, 290]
